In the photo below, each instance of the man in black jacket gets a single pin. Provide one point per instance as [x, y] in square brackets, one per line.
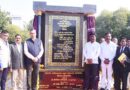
[119, 67]
[127, 69]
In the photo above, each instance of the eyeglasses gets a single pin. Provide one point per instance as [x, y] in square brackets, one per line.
[18, 38]
[5, 35]
[32, 33]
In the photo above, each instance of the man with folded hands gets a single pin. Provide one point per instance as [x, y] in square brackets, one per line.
[108, 51]
[33, 49]
[91, 53]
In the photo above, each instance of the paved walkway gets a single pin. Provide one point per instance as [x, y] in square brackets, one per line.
[9, 82]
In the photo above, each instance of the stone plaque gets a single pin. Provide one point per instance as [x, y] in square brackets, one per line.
[64, 35]
[61, 80]
[63, 40]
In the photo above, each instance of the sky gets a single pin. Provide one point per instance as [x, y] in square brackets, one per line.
[24, 8]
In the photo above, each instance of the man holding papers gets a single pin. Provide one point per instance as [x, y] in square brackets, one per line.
[127, 68]
[119, 65]
[122, 57]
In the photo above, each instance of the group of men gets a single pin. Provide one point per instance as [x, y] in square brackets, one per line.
[17, 57]
[108, 53]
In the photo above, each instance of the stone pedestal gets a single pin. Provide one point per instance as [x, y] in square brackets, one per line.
[61, 30]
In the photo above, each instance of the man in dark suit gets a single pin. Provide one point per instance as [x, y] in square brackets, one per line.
[17, 62]
[127, 69]
[119, 66]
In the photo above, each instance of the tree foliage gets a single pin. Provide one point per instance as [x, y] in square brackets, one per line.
[4, 19]
[12, 29]
[29, 26]
[24, 34]
[117, 22]
[103, 23]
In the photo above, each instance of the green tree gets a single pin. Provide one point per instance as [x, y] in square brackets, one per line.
[29, 26]
[5, 24]
[4, 19]
[128, 21]
[13, 30]
[24, 34]
[103, 23]
[120, 19]
[125, 33]
[117, 22]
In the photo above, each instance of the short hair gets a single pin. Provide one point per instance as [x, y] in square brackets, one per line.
[123, 38]
[17, 35]
[128, 38]
[92, 33]
[107, 33]
[114, 38]
[33, 31]
[4, 31]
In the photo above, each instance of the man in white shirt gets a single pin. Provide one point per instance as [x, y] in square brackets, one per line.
[4, 58]
[91, 52]
[108, 51]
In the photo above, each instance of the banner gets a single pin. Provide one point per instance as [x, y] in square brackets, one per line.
[35, 22]
[90, 25]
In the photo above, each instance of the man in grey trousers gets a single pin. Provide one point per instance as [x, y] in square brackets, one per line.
[33, 49]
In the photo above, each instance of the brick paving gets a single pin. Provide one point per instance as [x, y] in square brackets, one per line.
[9, 83]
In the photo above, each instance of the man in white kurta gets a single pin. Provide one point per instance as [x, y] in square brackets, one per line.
[108, 51]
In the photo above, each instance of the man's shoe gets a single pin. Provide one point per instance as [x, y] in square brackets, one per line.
[85, 89]
[102, 89]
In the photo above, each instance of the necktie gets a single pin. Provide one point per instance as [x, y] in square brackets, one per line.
[122, 49]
